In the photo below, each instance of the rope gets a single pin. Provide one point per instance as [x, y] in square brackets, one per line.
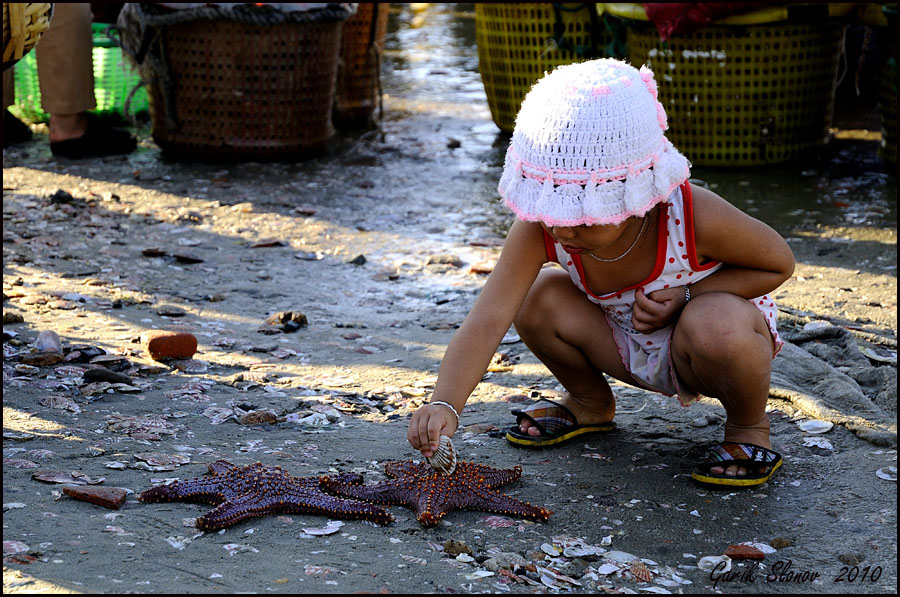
[249, 14]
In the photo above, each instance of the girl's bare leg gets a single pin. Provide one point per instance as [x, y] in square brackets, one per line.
[570, 335]
[722, 348]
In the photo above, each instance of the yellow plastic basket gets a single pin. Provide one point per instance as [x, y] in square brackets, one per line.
[749, 94]
[518, 43]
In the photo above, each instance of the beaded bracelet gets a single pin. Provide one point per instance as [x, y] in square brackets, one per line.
[448, 405]
[687, 294]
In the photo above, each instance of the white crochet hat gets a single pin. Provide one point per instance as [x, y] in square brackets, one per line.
[588, 147]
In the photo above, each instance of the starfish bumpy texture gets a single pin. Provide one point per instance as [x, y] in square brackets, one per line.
[432, 494]
[256, 490]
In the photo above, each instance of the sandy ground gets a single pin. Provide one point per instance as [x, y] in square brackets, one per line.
[266, 238]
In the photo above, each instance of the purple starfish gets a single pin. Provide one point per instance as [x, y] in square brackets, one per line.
[256, 490]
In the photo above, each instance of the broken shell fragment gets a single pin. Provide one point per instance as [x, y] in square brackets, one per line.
[444, 459]
[815, 426]
[714, 563]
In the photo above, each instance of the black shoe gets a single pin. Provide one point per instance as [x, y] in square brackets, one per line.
[98, 140]
[14, 130]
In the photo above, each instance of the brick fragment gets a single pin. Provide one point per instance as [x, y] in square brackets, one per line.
[162, 344]
[744, 552]
[108, 497]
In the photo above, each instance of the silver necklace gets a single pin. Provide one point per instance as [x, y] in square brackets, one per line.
[633, 244]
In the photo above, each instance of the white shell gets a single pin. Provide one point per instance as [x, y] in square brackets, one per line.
[815, 426]
[888, 473]
[817, 442]
[709, 563]
[444, 459]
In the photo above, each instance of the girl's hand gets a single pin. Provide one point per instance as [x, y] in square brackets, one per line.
[428, 424]
[656, 310]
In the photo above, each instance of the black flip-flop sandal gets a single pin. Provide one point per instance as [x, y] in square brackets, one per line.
[556, 423]
[99, 139]
[744, 454]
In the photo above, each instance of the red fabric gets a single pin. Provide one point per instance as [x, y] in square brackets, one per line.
[682, 17]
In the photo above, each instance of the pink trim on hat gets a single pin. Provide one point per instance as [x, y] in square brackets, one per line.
[621, 170]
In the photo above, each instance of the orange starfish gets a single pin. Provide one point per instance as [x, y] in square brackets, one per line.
[432, 494]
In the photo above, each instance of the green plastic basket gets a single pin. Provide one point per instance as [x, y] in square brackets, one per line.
[114, 80]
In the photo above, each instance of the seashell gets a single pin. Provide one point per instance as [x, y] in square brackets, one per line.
[191, 366]
[48, 341]
[640, 571]
[711, 563]
[815, 426]
[888, 473]
[56, 401]
[444, 460]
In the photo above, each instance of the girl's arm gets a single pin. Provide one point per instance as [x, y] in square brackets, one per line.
[756, 259]
[472, 346]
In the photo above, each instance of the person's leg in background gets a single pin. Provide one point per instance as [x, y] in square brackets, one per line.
[65, 70]
[66, 75]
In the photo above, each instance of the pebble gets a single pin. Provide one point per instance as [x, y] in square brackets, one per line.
[445, 258]
[104, 374]
[453, 547]
[163, 344]
[12, 318]
[781, 542]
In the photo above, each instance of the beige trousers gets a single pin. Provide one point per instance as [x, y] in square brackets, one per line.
[65, 62]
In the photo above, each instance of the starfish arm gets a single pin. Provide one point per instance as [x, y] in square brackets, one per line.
[387, 492]
[489, 500]
[232, 511]
[404, 468]
[220, 466]
[496, 477]
[204, 491]
[347, 478]
[317, 502]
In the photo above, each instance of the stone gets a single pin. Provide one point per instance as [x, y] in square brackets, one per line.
[12, 318]
[163, 344]
[104, 374]
[781, 542]
[108, 497]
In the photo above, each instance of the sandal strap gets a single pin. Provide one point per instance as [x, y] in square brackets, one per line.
[549, 417]
[740, 453]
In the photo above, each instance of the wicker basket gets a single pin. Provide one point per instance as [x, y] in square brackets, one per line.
[23, 25]
[519, 43]
[242, 91]
[115, 80]
[744, 95]
[358, 85]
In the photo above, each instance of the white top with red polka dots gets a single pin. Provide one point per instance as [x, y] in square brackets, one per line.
[676, 265]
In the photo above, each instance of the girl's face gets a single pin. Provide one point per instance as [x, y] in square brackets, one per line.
[584, 239]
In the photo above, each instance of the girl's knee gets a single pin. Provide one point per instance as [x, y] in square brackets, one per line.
[538, 305]
[716, 325]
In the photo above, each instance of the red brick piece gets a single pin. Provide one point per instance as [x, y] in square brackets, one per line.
[163, 344]
[744, 552]
[108, 497]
